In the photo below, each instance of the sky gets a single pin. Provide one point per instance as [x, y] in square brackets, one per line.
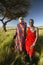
[35, 12]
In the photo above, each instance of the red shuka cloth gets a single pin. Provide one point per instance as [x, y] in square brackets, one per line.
[29, 41]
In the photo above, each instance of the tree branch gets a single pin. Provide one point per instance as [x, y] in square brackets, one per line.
[0, 19]
[8, 21]
[4, 17]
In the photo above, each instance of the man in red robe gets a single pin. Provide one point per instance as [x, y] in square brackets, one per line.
[31, 39]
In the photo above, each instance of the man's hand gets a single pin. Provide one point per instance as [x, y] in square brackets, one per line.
[32, 46]
[20, 49]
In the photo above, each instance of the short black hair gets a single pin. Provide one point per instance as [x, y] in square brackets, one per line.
[32, 20]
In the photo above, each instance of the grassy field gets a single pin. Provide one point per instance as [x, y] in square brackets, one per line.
[9, 57]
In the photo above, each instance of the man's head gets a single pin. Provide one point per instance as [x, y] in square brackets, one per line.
[31, 22]
[21, 19]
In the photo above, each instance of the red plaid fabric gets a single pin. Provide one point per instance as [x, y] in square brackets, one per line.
[21, 34]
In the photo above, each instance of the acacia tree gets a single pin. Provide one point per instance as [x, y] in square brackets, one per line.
[12, 9]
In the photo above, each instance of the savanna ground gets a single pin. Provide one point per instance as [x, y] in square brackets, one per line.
[9, 57]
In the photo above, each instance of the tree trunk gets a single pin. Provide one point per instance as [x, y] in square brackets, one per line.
[4, 24]
[4, 27]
